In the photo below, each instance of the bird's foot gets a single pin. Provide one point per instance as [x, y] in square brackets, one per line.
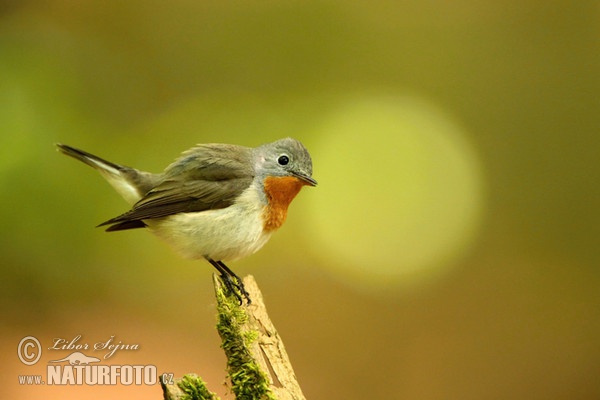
[235, 285]
[232, 282]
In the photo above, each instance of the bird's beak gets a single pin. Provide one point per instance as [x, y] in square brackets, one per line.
[305, 178]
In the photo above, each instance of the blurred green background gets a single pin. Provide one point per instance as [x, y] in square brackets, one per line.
[449, 251]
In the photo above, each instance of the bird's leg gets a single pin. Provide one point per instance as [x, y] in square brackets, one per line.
[231, 280]
[227, 278]
[240, 283]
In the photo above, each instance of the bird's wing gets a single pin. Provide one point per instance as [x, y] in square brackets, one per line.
[205, 177]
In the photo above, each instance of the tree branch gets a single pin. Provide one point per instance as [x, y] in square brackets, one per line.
[257, 363]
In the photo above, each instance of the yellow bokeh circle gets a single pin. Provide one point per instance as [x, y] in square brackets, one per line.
[400, 192]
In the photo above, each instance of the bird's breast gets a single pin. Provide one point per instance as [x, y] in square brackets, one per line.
[280, 191]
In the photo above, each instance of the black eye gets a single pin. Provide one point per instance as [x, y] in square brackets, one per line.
[283, 160]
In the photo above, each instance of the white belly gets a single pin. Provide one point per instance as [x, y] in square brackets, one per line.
[224, 234]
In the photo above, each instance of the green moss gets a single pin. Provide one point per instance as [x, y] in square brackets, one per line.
[195, 389]
[248, 381]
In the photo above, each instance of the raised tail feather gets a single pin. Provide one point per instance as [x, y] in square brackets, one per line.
[130, 183]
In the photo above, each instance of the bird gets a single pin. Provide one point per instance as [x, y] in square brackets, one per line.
[218, 202]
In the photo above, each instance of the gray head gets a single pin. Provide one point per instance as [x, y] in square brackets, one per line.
[284, 157]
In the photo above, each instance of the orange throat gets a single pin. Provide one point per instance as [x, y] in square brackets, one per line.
[280, 192]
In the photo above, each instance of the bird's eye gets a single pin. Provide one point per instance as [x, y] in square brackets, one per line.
[283, 160]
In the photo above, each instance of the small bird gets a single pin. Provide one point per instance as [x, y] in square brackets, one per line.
[220, 202]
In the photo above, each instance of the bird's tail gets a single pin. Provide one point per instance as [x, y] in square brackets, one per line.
[130, 183]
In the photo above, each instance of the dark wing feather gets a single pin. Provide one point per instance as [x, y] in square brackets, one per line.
[203, 178]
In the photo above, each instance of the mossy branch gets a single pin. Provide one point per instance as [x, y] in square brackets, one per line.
[257, 363]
